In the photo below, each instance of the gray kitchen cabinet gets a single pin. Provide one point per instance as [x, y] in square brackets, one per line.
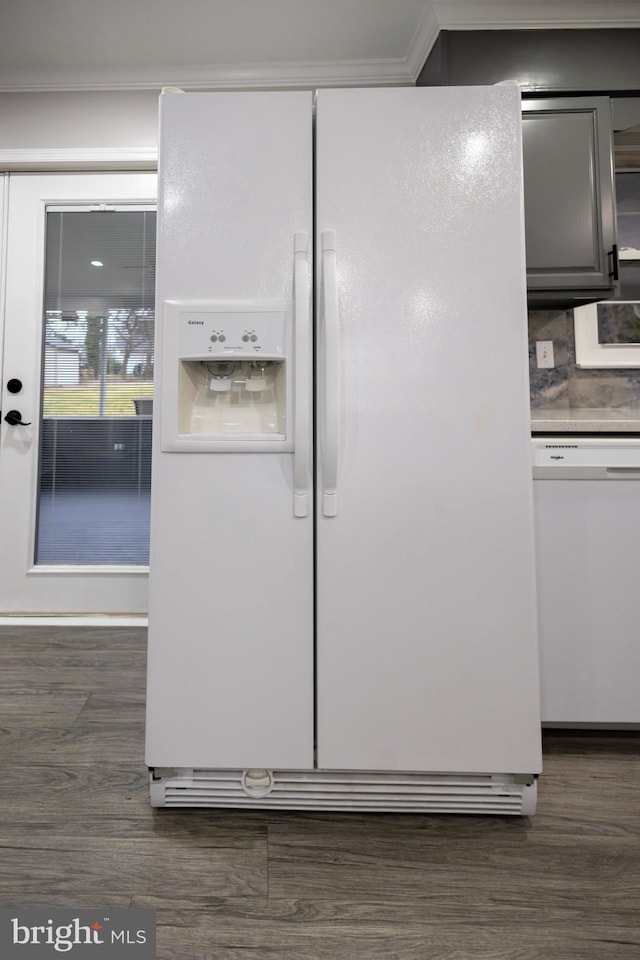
[569, 197]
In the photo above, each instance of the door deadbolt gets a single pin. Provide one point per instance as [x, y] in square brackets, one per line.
[14, 385]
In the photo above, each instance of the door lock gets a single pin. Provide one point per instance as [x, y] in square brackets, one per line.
[14, 418]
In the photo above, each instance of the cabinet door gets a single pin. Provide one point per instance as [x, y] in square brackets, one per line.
[569, 197]
[587, 536]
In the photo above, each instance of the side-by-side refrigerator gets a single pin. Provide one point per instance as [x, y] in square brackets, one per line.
[342, 600]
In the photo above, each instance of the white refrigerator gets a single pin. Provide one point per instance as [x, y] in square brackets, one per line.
[342, 599]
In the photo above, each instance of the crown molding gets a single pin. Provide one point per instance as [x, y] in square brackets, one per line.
[216, 77]
[422, 41]
[107, 158]
[524, 15]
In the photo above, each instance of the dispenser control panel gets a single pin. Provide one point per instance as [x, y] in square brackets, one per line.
[227, 376]
[223, 333]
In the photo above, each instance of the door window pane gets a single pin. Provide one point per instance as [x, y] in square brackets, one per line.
[97, 387]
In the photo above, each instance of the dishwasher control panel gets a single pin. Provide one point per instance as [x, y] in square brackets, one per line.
[586, 458]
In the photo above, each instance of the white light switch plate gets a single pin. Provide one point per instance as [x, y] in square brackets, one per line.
[544, 353]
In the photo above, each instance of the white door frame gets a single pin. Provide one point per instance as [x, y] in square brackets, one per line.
[53, 589]
[75, 160]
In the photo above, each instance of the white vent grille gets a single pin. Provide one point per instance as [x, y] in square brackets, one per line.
[376, 792]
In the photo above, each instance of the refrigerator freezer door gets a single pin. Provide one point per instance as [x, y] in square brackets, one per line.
[426, 644]
[231, 585]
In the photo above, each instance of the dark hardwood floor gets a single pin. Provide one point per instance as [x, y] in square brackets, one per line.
[77, 831]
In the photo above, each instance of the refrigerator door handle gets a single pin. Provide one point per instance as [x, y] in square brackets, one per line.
[331, 374]
[301, 428]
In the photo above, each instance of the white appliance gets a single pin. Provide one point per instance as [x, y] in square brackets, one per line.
[342, 611]
[587, 494]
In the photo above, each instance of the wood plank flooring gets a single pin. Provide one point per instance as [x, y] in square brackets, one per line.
[76, 830]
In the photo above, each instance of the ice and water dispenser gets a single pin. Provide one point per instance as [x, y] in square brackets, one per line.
[226, 376]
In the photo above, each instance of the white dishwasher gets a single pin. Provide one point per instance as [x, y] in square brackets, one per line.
[587, 513]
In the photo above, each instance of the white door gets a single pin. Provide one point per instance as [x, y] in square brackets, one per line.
[426, 645]
[4, 206]
[47, 355]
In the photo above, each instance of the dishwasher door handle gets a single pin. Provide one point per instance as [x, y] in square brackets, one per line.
[623, 473]
[582, 472]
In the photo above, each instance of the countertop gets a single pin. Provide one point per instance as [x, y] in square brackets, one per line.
[586, 420]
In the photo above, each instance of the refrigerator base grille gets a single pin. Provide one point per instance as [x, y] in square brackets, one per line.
[345, 791]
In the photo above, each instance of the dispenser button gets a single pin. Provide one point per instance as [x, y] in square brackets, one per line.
[214, 338]
[253, 338]
[222, 338]
[245, 338]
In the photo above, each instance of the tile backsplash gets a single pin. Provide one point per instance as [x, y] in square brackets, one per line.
[565, 386]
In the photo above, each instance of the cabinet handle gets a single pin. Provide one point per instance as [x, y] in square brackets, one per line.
[613, 253]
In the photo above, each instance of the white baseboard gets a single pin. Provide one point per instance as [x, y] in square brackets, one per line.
[73, 620]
